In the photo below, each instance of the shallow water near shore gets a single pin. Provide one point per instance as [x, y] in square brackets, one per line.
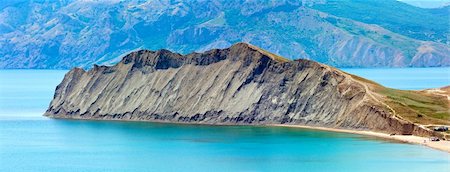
[30, 142]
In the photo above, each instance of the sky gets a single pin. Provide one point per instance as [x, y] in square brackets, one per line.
[427, 3]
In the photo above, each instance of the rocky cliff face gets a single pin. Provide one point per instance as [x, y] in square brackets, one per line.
[238, 85]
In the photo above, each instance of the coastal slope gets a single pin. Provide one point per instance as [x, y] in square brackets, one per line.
[239, 85]
[60, 34]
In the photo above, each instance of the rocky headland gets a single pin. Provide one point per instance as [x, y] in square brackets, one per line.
[243, 85]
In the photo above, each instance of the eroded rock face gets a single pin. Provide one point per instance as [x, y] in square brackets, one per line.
[238, 85]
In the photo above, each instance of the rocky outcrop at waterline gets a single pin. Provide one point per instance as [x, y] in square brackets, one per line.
[242, 84]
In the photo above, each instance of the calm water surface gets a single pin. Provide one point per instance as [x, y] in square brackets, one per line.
[406, 78]
[30, 142]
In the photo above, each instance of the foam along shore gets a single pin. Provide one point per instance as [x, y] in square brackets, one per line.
[442, 145]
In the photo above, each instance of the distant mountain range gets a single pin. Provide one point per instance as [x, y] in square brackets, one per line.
[342, 33]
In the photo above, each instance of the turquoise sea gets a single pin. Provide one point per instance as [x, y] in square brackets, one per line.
[406, 78]
[30, 142]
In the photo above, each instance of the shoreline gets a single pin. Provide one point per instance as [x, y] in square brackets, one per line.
[440, 145]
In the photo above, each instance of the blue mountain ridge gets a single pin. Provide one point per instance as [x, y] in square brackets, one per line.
[342, 33]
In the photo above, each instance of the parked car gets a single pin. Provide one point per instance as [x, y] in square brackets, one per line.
[441, 128]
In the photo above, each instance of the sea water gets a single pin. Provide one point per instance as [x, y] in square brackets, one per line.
[405, 78]
[30, 142]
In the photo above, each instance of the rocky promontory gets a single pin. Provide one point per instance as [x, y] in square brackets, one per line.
[239, 85]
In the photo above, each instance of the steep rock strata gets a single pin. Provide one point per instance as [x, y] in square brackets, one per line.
[238, 85]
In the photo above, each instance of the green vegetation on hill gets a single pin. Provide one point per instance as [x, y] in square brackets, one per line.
[418, 106]
[377, 34]
[421, 107]
[414, 22]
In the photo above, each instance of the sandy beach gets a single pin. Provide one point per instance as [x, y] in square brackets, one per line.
[440, 145]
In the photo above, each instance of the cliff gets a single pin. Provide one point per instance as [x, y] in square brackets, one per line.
[242, 84]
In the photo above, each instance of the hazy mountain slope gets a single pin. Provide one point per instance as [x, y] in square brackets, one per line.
[64, 34]
[419, 23]
[238, 85]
